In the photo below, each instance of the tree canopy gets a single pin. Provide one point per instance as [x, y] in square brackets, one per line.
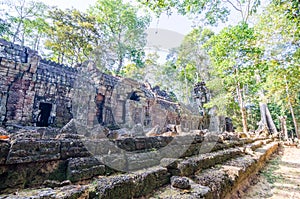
[249, 68]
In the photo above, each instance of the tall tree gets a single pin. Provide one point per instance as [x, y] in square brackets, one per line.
[233, 56]
[280, 31]
[124, 32]
[192, 60]
[72, 36]
[24, 17]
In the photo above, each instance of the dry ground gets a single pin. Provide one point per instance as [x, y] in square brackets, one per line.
[280, 179]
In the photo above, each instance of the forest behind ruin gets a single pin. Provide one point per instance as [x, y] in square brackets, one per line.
[251, 68]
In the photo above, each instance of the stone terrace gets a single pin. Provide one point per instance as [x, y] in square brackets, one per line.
[214, 166]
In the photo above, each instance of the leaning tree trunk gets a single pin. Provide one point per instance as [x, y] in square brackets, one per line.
[291, 107]
[266, 118]
[266, 121]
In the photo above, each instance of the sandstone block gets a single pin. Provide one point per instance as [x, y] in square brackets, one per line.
[33, 150]
[180, 182]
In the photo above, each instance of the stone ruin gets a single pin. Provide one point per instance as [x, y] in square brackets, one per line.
[55, 140]
[37, 92]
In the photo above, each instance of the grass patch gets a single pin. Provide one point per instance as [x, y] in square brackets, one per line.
[269, 171]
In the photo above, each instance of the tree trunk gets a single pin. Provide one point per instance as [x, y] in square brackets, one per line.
[270, 121]
[16, 32]
[266, 120]
[186, 86]
[242, 108]
[291, 108]
[283, 127]
[119, 66]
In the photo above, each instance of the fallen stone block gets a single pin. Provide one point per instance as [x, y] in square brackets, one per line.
[180, 182]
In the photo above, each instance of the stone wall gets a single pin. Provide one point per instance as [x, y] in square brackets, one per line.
[38, 92]
[17, 69]
[27, 81]
[53, 85]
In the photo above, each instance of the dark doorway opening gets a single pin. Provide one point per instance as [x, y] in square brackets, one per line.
[44, 114]
[100, 100]
[134, 96]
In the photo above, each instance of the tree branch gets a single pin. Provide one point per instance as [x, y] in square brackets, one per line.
[234, 6]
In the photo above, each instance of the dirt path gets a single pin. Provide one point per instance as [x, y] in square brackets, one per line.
[280, 179]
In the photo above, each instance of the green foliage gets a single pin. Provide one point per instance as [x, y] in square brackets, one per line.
[123, 32]
[213, 11]
[4, 28]
[189, 64]
[235, 58]
[26, 21]
[72, 36]
[280, 36]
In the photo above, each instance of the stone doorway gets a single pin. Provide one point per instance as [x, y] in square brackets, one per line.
[44, 114]
[100, 100]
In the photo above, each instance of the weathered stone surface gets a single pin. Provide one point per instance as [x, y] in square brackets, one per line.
[217, 180]
[25, 133]
[3, 131]
[19, 176]
[4, 149]
[69, 136]
[84, 168]
[101, 147]
[138, 130]
[54, 183]
[142, 160]
[191, 165]
[115, 161]
[180, 182]
[170, 163]
[132, 185]
[73, 148]
[33, 150]
[127, 144]
[70, 192]
[69, 128]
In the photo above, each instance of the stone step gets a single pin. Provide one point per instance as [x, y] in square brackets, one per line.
[223, 181]
[125, 186]
[144, 182]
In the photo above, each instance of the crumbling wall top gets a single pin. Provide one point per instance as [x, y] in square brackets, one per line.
[15, 52]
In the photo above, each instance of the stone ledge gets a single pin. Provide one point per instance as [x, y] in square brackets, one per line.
[79, 169]
[28, 150]
[132, 185]
[191, 165]
[221, 181]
